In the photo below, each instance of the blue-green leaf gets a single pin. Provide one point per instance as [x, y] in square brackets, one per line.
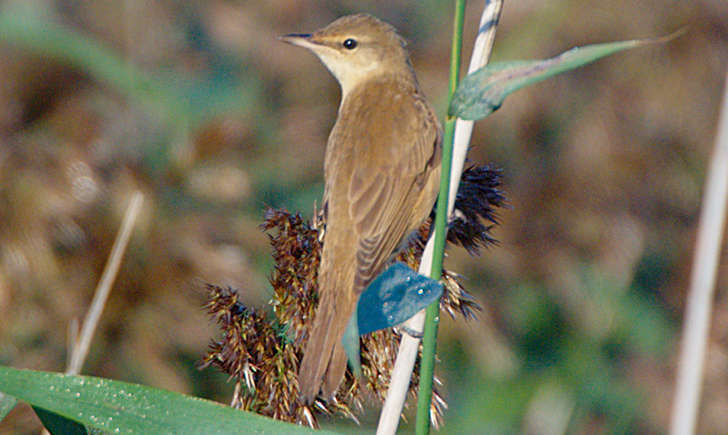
[483, 91]
[394, 296]
[120, 407]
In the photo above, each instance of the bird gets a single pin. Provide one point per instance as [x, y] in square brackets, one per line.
[381, 173]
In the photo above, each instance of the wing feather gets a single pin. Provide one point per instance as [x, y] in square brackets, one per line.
[381, 199]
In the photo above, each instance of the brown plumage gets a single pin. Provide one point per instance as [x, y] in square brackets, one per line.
[382, 176]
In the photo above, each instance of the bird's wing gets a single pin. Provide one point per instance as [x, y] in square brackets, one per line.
[382, 198]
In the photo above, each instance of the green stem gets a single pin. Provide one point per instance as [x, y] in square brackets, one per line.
[429, 341]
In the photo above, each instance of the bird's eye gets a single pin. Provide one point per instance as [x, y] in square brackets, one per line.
[350, 44]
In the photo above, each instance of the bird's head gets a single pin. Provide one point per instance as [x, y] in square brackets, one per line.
[356, 48]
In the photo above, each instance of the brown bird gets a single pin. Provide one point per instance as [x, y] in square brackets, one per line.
[382, 176]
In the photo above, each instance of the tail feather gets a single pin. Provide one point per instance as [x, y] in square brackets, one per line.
[317, 353]
[324, 355]
[335, 371]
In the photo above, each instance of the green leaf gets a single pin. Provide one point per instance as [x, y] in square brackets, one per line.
[120, 407]
[57, 424]
[7, 403]
[394, 296]
[483, 91]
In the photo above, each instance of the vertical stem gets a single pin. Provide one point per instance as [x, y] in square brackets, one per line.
[457, 48]
[422, 425]
[696, 324]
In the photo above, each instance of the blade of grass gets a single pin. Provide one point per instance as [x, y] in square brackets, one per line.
[109, 406]
[483, 91]
[82, 344]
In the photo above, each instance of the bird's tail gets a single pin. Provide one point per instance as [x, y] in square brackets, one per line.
[324, 359]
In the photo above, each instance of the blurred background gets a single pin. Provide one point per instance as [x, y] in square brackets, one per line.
[199, 106]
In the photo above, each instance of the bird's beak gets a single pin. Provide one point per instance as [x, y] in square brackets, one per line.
[300, 39]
